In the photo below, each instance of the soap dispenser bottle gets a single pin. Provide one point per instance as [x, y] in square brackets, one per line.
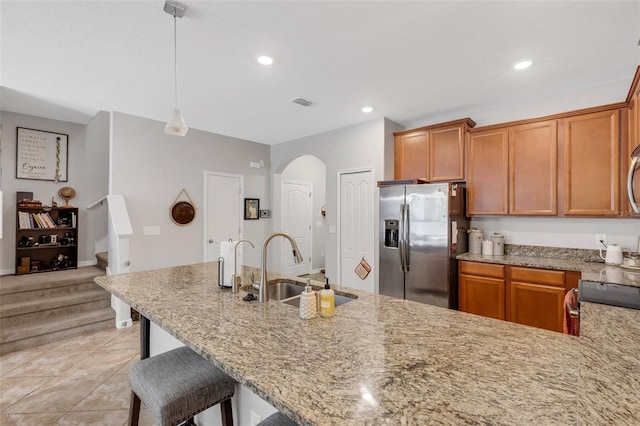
[327, 300]
[308, 304]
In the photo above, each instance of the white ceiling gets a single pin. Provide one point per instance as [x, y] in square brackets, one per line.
[414, 62]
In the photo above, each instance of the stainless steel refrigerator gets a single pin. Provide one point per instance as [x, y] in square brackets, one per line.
[422, 229]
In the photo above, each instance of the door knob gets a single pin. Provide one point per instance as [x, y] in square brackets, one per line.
[210, 241]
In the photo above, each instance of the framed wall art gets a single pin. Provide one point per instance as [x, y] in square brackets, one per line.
[251, 208]
[41, 155]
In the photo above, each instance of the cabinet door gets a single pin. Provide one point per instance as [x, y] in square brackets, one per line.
[591, 164]
[535, 305]
[533, 168]
[446, 152]
[487, 186]
[482, 296]
[411, 156]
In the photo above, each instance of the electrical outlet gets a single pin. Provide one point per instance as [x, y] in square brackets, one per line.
[601, 238]
[255, 418]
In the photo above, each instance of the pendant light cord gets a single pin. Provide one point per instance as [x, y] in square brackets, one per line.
[175, 59]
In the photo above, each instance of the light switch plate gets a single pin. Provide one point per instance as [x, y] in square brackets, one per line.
[151, 230]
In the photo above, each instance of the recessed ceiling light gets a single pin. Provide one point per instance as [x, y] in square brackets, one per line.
[367, 109]
[265, 60]
[522, 65]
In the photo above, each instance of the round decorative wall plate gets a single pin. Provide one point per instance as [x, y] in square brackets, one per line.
[182, 212]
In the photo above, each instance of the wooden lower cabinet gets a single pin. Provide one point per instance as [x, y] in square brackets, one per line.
[482, 289]
[525, 296]
[535, 305]
[482, 296]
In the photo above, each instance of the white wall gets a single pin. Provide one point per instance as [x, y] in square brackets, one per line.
[561, 232]
[96, 170]
[86, 174]
[310, 169]
[150, 168]
[353, 147]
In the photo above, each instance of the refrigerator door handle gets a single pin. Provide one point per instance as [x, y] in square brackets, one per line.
[632, 198]
[405, 221]
[401, 238]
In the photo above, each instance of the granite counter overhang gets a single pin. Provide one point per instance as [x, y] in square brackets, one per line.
[590, 271]
[379, 360]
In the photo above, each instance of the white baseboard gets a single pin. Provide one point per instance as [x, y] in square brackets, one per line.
[7, 271]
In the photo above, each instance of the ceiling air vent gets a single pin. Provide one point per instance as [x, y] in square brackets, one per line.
[301, 101]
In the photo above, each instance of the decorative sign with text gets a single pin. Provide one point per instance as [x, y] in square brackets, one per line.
[41, 155]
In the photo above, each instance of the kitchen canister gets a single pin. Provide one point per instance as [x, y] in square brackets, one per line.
[487, 248]
[475, 241]
[498, 244]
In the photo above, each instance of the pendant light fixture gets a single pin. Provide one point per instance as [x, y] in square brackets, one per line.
[176, 125]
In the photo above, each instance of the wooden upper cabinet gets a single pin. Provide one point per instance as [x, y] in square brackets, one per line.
[590, 170]
[435, 153]
[446, 148]
[488, 183]
[411, 155]
[533, 169]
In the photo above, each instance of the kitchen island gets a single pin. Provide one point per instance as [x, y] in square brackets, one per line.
[382, 360]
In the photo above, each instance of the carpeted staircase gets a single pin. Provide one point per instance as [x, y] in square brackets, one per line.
[38, 309]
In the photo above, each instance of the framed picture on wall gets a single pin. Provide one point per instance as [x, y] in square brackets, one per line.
[41, 155]
[251, 208]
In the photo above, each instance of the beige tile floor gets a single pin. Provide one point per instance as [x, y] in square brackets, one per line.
[78, 381]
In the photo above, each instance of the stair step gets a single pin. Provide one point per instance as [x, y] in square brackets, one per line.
[47, 327]
[103, 259]
[47, 293]
[45, 339]
[29, 306]
[10, 284]
[72, 307]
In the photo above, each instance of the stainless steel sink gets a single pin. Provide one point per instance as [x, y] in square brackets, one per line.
[281, 290]
[289, 292]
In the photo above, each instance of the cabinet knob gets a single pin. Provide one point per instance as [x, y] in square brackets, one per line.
[210, 241]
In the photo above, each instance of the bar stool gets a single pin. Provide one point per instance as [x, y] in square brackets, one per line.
[277, 419]
[177, 385]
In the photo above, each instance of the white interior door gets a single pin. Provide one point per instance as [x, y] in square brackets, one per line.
[223, 196]
[296, 221]
[356, 228]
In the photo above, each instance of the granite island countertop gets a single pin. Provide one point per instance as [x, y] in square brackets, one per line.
[379, 360]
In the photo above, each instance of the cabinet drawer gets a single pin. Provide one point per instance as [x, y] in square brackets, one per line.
[542, 276]
[483, 269]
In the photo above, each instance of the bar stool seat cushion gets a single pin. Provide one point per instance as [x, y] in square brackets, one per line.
[179, 384]
[277, 419]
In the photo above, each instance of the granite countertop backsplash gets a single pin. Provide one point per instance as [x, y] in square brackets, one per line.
[562, 259]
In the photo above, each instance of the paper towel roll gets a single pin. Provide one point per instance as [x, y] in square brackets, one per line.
[487, 248]
[226, 252]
